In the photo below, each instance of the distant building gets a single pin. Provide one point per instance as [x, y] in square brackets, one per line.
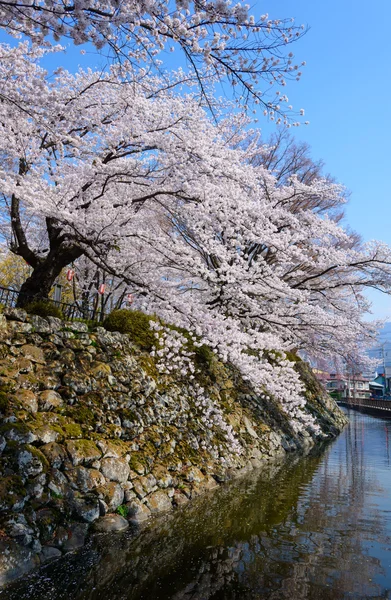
[344, 387]
[377, 387]
[321, 375]
[382, 353]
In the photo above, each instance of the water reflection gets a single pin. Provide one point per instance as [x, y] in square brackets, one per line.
[316, 528]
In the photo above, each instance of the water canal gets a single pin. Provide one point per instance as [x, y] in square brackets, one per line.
[317, 527]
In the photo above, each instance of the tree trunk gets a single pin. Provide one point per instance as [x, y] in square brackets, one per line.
[42, 279]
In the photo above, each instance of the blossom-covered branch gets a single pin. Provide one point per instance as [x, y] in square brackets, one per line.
[216, 38]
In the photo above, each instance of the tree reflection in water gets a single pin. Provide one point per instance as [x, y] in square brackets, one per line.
[314, 527]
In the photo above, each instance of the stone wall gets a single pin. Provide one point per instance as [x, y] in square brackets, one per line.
[92, 436]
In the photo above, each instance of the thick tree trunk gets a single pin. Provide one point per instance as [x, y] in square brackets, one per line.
[42, 279]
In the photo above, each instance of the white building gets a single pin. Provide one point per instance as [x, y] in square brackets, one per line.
[346, 387]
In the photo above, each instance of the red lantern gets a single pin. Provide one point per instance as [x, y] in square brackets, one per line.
[101, 289]
[70, 274]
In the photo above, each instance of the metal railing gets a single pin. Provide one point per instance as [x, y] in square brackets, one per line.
[379, 404]
[71, 312]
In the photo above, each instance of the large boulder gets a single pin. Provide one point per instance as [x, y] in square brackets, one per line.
[15, 561]
[111, 523]
[115, 469]
[49, 399]
[82, 452]
[33, 353]
[112, 495]
[31, 461]
[84, 479]
[27, 399]
[85, 507]
[159, 502]
[137, 512]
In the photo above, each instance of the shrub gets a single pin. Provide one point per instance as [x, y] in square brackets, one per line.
[44, 308]
[123, 510]
[133, 322]
[204, 355]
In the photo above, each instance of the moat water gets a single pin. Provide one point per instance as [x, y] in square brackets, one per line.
[315, 527]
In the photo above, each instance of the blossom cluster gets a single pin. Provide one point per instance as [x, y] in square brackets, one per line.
[171, 351]
[212, 417]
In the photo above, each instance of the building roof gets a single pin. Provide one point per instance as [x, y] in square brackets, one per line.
[376, 384]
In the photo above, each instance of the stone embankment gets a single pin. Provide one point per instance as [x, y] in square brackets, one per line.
[92, 437]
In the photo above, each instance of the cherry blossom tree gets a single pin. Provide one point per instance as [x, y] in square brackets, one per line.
[216, 39]
[137, 180]
[82, 153]
[285, 157]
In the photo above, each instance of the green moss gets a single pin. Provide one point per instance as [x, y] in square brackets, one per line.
[204, 355]
[293, 357]
[56, 496]
[22, 428]
[95, 436]
[185, 452]
[85, 448]
[148, 365]
[62, 425]
[39, 455]
[137, 460]
[154, 437]
[110, 431]
[72, 430]
[4, 402]
[44, 308]
[126, 413]
[12, 447]
[84, 445]
[82, 415]
[11, 489]
[133, 322]
[94, 399]
[149, 450]
[70, 330]
[119, 445]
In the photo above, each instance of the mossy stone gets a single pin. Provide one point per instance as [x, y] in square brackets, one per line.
[4, 402]
[12, 491]
[82, 451]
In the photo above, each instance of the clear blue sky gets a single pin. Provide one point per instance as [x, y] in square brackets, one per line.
[345, 91]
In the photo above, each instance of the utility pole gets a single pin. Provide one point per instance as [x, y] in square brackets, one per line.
[385, 372]
[384, 367]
